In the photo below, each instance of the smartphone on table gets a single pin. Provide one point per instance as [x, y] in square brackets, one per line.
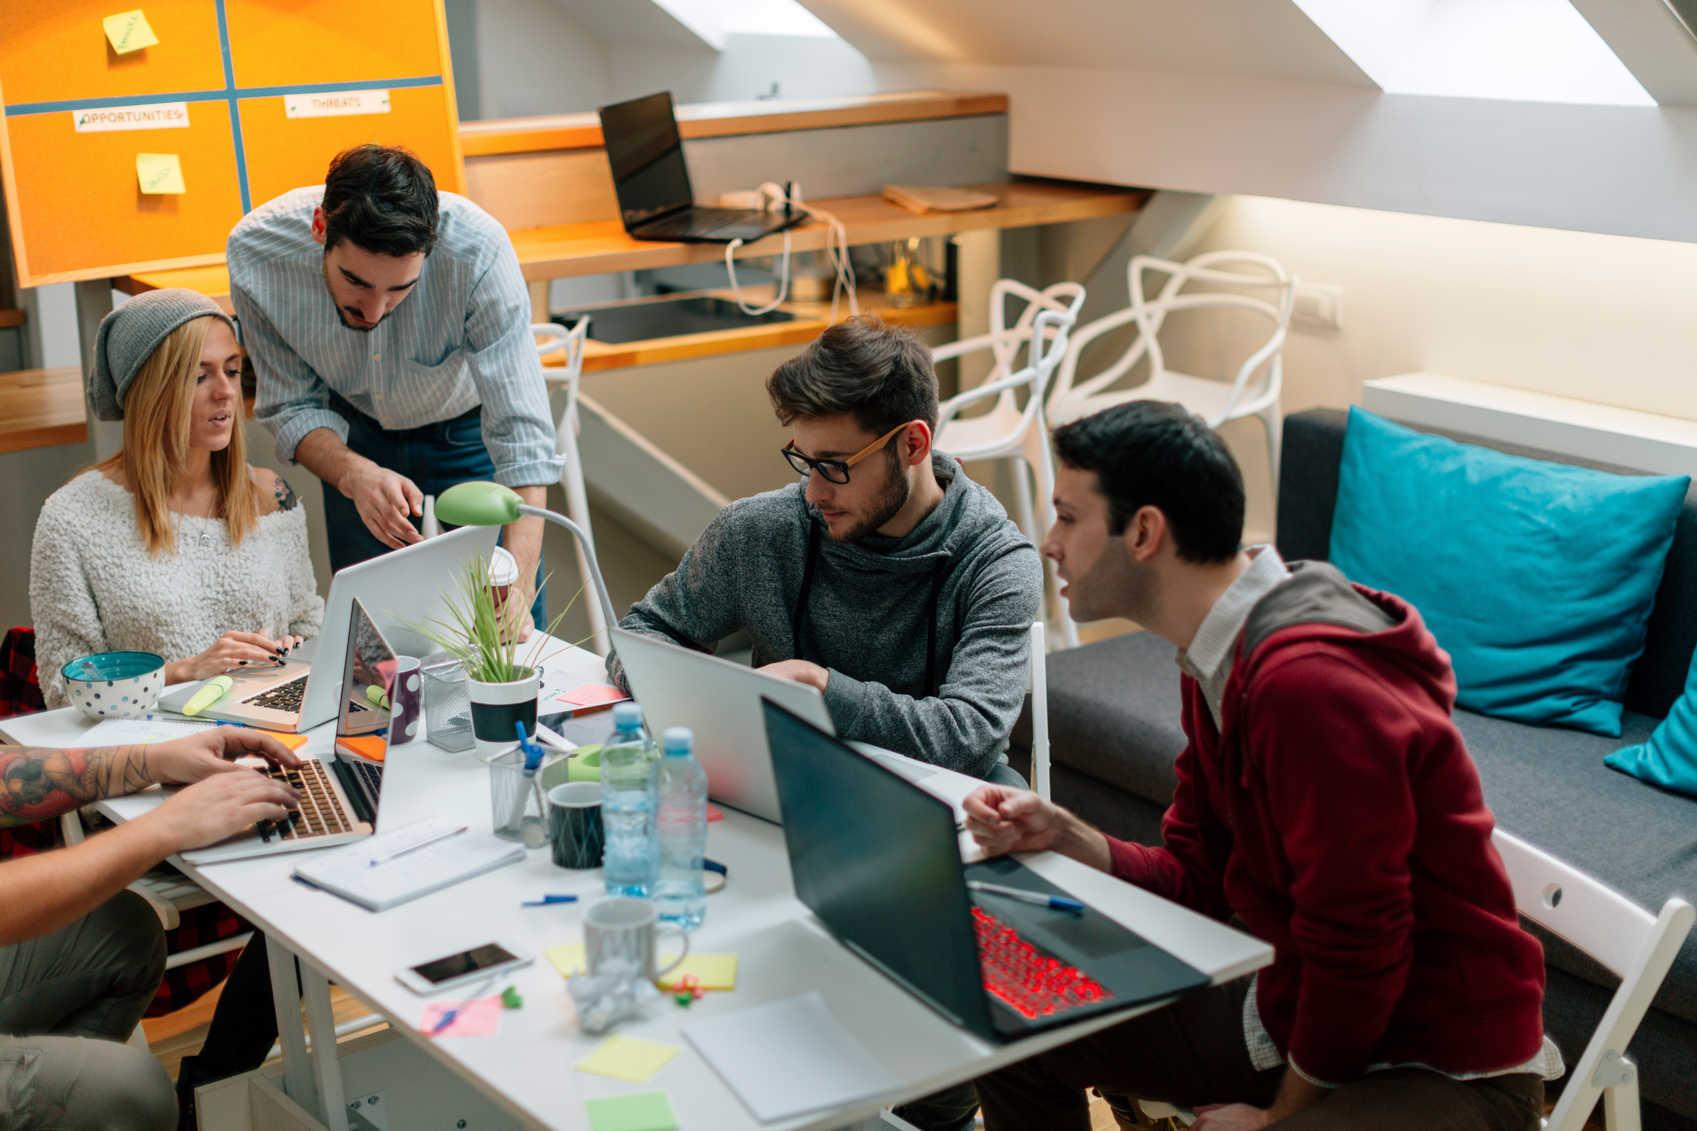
[462, 969]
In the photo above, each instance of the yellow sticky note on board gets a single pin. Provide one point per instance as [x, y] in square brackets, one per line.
[160, 174]
[129, 31]
[627, 1058]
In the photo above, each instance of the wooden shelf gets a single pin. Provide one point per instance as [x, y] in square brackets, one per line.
[724, 119]
[600, 246]
[812, 319]
[43, 407]
[40, 408]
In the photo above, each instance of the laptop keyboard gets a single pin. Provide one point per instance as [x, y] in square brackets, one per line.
[698, 221]
[361, 781]
[320, 812]
[1023, 978]
[283, 697]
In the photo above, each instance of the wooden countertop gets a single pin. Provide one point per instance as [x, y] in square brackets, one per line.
[599, 246]
[43, 407]
[40, 408]
[724, 119]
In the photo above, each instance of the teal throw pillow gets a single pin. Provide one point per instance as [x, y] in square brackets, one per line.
[1669, 757]
[1536, 577]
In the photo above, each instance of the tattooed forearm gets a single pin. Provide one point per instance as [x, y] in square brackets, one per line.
[38, 783]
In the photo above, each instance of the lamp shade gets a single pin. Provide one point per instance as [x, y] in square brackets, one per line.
[478, 503]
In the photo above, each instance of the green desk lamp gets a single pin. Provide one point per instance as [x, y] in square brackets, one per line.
[481, 503]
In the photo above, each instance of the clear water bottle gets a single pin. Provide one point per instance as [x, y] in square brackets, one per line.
[629, 781]
[683, 831]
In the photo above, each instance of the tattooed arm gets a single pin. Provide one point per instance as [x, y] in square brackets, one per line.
[50, 889]
[37, 784]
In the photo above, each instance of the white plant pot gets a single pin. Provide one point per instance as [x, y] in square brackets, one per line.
[496, 707]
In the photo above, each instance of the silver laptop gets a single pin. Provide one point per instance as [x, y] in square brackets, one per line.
[339, 795]
[399, 589]
[720, 702]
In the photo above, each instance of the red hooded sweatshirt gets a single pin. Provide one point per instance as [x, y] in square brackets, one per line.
[1337, 813]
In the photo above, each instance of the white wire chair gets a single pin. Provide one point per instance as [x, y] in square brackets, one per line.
[1012, 428]
[552, 339]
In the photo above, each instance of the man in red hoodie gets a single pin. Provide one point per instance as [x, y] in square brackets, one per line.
[1325, 800]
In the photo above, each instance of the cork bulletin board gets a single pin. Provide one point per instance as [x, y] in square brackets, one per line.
[134, 138]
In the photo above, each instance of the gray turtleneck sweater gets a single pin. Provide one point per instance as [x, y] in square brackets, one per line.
[924, 636]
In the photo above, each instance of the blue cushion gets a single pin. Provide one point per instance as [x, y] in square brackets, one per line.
[1667, 758]
[1536, 577]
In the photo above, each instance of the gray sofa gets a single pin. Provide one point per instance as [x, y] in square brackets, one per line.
[1114, 732]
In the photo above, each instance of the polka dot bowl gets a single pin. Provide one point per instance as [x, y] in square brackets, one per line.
[115, 685]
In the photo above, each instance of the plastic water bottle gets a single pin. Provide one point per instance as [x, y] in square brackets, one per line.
[629, 779]
[683, 831]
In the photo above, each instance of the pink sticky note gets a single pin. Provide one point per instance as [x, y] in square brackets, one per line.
[480, 1018]
[591, 695]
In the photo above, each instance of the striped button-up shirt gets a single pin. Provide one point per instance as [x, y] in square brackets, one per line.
[461, 337]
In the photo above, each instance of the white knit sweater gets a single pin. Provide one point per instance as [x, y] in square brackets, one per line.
[93, 586]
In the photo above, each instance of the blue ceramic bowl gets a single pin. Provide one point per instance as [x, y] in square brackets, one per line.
[115, 685]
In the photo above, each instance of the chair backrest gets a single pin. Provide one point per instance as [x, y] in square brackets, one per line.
[1005, 341]
[1046, 340]
[552, 338]
[1239, 280]
[1634, 945]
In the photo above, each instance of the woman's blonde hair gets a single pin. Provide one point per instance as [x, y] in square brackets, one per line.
[156, 442]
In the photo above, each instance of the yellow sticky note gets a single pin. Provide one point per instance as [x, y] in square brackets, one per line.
[627, 1058]
[567, 958]
[712, 971]
[160, 174]
[129, 31]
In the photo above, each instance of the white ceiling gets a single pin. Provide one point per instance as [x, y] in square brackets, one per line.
[633, 22]
[1257, 38]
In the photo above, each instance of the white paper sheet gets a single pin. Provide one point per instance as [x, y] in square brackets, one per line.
[788, 1057]
[124, 732]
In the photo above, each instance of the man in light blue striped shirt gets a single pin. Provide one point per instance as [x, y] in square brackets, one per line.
[389, 327]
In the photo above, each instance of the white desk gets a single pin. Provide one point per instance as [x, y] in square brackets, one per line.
[526, 1069]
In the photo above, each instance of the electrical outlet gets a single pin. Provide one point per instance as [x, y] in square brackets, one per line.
[1318, 306]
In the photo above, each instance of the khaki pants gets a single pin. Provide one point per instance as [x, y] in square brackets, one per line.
[68, 1001]
[1193, 1052]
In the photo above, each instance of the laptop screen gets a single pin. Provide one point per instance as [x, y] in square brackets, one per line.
[647, 157]
[368, 676]
[877, 859]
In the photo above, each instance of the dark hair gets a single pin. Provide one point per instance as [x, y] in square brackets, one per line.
[380, 199]
[880, 373]
[1155, 454]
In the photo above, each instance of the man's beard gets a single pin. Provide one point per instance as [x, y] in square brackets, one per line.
[889, 502]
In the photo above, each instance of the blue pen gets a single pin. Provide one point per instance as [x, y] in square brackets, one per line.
[548, 900]
[1035, 898]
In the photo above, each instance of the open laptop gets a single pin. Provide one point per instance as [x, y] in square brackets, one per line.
[720, 702]
[652, 181]
[877, 859]
[339, 797]
[400, 589]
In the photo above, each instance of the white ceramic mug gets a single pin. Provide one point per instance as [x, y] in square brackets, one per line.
[625, 932]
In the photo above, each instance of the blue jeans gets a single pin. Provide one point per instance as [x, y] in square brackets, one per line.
[434, 456]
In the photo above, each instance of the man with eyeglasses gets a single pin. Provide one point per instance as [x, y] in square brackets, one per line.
[885, 578]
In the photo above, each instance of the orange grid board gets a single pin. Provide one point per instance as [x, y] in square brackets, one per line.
[213, 93]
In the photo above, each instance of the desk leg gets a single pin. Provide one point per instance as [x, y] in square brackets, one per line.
[326, 1064]
[285, 999]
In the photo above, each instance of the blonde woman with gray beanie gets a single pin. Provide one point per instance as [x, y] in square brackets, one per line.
[174, 545]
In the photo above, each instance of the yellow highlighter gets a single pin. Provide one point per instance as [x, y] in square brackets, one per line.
[210, 692]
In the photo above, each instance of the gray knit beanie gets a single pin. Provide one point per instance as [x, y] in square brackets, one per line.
[129, 335]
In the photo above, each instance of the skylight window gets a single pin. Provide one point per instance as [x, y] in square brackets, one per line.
[713, 20]
[1525, 50]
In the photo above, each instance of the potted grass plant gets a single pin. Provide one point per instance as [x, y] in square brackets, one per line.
[478, 631]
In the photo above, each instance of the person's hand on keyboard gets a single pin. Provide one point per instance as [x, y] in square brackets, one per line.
[185, 760]
[218, 808]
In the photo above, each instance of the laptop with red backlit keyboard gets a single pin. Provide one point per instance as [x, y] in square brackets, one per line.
[877, 859]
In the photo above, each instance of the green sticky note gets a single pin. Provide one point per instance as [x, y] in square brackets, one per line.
[645, 1111]
[128, 31]
[160, 174]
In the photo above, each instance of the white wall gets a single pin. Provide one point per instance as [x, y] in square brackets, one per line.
[533, 58]
[1594, 317]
